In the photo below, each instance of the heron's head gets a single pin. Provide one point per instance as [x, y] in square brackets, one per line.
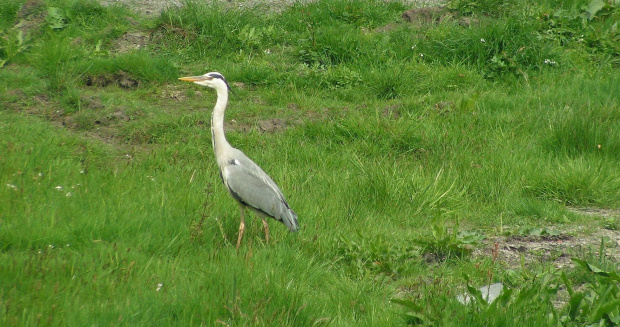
[213, 80]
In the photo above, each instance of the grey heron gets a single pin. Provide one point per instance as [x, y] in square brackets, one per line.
[245, 181]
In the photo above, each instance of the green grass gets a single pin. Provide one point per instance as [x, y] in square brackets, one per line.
[403, 147]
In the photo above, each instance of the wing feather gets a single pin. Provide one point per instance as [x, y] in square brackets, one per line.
[252, 187]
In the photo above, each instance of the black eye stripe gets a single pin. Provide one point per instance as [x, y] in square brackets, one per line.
[214, 75]
[217, 75]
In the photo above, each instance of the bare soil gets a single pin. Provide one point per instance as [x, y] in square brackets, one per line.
[557, 249]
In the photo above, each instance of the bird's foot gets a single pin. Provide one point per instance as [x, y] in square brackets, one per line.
[241, 231]
[266, 228]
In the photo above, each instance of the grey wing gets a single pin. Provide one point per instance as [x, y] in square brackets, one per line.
[252, 187]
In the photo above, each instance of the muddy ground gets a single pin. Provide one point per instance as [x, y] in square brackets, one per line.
[558, 248]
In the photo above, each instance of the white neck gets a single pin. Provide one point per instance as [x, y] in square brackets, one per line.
[218, 138]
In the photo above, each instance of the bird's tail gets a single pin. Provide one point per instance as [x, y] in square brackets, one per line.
[290, 220]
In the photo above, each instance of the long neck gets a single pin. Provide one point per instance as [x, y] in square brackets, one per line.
[218, 138]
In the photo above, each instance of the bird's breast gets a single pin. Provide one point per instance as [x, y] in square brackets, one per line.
[224, 169]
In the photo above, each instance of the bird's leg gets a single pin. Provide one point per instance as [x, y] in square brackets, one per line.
[266, 228]
[241, 226]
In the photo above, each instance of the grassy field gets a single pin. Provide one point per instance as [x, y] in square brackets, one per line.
[427, 152]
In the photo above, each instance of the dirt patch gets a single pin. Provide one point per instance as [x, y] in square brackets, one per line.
[92, 102]
[272, 125]
[391, 112]
[121, 79]
[43, 100]
[131, 41]
[426, 15]
[431, 15]
[443, 107]
[275, 125]
[600, 212]
[31, 16]
[115, 117]
[557, 250]
[31, 8]
[435, 15]
[176, 92]
[144, 7]
[120, 115]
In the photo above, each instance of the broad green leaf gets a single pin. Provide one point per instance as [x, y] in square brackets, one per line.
[574, 304]
[409, 304]
[56, 18]
[593, 8]
[604, 309]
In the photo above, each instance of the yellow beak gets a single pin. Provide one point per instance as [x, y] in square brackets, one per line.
[192, 78]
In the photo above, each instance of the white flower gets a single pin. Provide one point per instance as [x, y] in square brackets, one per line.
[483, 41]
[159, 286]
[69, 194]
[550, 62]
[58, 188]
